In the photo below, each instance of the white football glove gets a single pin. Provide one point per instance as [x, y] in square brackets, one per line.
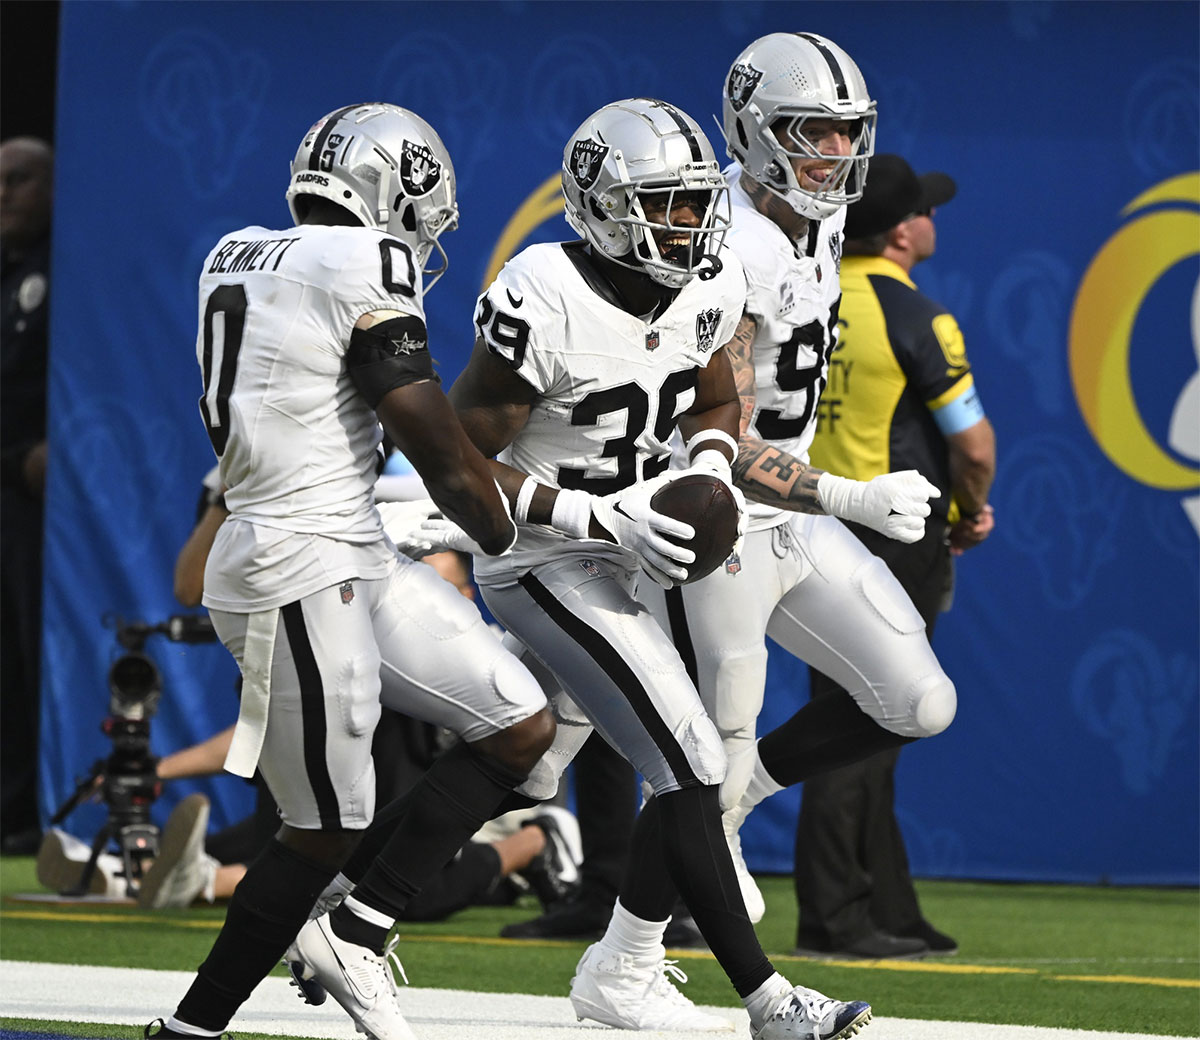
[894, 504]
[714, 464]
[627, 516]
[402, 524]
[444, 535]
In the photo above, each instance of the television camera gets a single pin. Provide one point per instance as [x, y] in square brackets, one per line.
[126, 780]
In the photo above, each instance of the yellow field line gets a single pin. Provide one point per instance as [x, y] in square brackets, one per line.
[932, 967]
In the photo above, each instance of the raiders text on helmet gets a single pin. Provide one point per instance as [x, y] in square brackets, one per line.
[389, 168]
[626, 156]
[790, 78]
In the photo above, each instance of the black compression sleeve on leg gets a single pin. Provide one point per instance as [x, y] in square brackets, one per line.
[451, 802]
[698, 857]
[267, 909]
[647, 890]
[827, 732]
[388, 818]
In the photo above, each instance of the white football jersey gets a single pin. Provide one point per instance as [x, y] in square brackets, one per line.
[610, 385]
[296, 441]
[793, 295]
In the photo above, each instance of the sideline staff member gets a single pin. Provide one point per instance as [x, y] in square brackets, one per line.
[900, 396]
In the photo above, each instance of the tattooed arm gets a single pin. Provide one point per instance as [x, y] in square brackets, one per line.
[895, 504]
[763, 472]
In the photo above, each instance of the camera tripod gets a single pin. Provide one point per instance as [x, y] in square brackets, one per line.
[128, 796]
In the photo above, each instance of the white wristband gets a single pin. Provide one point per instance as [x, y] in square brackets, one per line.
[572, 513]
[838, 495]
[715, 461]
[711, 434]
[524, 498]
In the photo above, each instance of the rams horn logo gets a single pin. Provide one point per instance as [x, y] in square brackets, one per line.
[586, 158]
[742, 81]
[420, 172]
[706, 328]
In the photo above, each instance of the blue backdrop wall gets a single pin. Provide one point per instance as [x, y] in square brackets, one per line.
[1069, 257]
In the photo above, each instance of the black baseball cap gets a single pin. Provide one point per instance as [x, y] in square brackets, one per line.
[893, 193]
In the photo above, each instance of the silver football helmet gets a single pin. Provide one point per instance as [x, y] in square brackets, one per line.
[388, 167]
[786, 79]
[642, 156]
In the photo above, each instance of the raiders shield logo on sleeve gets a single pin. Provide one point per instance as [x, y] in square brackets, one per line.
[420, 172]
[742, 81]
[706, 327]
[586, 159]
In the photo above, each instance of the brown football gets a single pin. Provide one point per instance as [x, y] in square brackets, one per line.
[706, 504]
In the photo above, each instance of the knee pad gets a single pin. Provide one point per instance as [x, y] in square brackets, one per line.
[514, 684]
[737, 695]
[704, 748]
[933, 703]
[543, 779]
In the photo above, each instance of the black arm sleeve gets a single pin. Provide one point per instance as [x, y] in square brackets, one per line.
[388, 355]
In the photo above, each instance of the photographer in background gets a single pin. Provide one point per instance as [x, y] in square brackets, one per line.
[26, 182]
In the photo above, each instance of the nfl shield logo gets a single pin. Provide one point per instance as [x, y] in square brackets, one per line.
[734, 564]
[590, 568]
[652, 339]
[706, 327]
[347, 591]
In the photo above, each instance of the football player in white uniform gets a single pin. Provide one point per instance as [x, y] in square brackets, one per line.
[589, 355]
[309, 338]
[799, 124]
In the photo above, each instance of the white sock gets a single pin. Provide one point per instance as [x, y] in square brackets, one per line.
[642, 940]
[762, 1002]
[176, 1026]
[368, 913]
[762, 785]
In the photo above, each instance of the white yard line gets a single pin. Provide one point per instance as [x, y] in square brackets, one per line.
[127, 996]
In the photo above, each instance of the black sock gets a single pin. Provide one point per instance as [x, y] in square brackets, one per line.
[698, 857]
[451, 802]
[346, 924]
[827, 732]
[268, 908]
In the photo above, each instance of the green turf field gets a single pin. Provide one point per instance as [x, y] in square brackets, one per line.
[1117, 959]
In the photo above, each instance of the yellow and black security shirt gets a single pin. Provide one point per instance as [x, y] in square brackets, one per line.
[899, 382]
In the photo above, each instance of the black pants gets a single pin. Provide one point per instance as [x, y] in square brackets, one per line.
[606, 799]
[20, 658]
[851, 867]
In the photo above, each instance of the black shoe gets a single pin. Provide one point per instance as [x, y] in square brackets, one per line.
[579, 916]
[169, 1034]
[554, 872]
[939, 943]
[872, 946]
[682, 933]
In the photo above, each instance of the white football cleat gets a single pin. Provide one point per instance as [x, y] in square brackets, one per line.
[358, 979]
[805, 1014]
[731, 823]
[612, 988]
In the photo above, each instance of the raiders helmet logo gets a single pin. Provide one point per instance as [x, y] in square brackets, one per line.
[420, 172]
[706, 328]
[742, 81]
[586, 159]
